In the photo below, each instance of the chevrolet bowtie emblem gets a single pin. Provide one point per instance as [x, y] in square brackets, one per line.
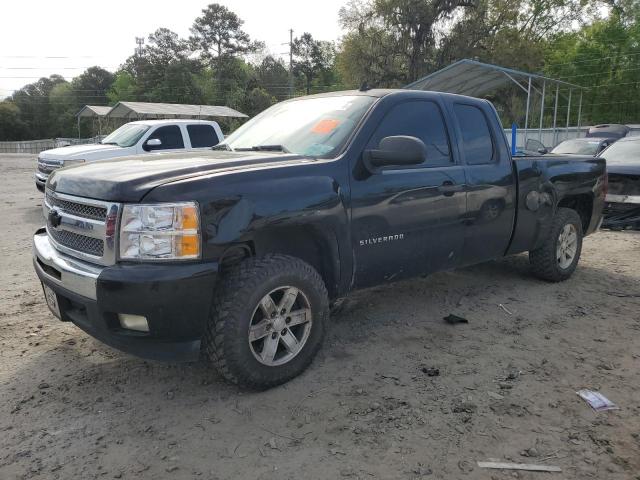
[54, 218]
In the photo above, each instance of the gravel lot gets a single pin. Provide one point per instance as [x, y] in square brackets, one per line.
[370, 406]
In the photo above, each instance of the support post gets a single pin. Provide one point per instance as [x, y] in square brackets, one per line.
[291, 63]
[78, 126]
[579, 114]
[544, 86]
[555, 116]
[514, 137]
[568, 112]
[526, 115]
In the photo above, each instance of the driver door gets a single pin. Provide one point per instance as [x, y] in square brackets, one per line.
[409, 220]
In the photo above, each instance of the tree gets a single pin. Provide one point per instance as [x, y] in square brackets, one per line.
[218, 33]
[602, 56]
[32, 101]
[272, 76]
[257, 100]
[123, 88]
[91, 87]
[311, 57]
[11, 125]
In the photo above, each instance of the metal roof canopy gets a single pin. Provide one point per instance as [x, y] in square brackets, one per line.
[473, 78]
[93, 111]
[144, 110]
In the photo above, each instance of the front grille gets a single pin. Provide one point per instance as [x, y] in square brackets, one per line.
[81, 243]
[77, 209]
[82, 227]
[47, 168]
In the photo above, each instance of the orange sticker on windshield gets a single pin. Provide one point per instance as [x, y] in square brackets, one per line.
[325, 126]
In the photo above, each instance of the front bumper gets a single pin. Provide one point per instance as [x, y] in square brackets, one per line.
[41, 180]
[174, 298]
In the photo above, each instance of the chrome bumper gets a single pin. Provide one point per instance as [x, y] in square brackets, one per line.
[41, 177]
[623, 198]
[62, 270]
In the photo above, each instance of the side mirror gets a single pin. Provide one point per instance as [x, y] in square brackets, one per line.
[543, 151]
[152, 144]
[397, 151]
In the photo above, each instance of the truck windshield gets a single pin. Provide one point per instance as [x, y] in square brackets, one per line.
[316, 127]
[125, 136]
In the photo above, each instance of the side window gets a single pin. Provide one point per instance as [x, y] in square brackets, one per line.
[202, 136]
[420, 119]
[477, 143]
[170, 136]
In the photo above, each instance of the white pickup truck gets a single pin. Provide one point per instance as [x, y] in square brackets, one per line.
[133, 138]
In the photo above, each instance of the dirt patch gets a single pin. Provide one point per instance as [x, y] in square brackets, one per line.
[396, 392]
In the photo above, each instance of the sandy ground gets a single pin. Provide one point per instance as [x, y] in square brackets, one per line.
[367, 408]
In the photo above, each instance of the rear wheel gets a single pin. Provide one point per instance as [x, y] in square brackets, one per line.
[267, 321]
[557, 258]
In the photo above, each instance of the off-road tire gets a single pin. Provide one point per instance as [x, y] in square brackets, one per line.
[239, 291]
[543, 260]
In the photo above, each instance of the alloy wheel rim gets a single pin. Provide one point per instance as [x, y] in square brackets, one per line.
[280, 326]
[567, 246]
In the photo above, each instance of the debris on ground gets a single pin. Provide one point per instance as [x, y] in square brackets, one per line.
[453, 319]
[597, 401]
[431, 371]
[519, 466]
[505, 309]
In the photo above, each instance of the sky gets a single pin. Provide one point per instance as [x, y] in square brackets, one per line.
[42, 37]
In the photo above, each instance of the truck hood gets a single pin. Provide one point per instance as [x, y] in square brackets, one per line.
[84, 152]
[129, 179]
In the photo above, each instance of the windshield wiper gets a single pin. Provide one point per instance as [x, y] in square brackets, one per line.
[264, 148]
[110, 143]
[222, 146]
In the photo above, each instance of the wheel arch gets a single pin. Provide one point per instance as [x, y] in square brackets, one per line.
[582, 203]
[310, 243]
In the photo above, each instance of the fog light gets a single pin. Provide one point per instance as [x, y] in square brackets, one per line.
[133, 322]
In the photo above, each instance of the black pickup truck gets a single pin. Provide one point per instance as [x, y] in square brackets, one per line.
[237, 253]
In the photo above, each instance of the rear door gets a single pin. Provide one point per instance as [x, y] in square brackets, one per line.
[408, 220]
[491, 184]
[202, 135]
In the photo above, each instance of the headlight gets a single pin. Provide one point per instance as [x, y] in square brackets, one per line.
[70, 163]
[162, 231]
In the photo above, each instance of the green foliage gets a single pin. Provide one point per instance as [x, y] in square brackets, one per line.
[604, 57]
[311, 58]
[387, 43]
[218, 33]
[12, 127]
[123, 88]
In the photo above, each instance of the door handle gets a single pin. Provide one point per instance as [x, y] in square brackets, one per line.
[448, 188]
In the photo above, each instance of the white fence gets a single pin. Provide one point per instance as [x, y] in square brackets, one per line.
[37, 146]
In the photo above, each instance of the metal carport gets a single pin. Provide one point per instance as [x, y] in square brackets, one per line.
[93, 111]
[145, 110]
[473, 78]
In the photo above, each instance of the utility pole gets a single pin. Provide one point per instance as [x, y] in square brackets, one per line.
[291, 63]
[140, 42]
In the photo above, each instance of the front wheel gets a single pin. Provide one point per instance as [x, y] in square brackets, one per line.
[267, 321]
[557, 258]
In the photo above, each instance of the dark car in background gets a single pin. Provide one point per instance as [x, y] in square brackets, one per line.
[622, 207]
[596, 140]
[582, 146]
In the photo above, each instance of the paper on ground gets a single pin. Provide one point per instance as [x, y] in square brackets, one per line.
[519, 466]
[597, 401]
